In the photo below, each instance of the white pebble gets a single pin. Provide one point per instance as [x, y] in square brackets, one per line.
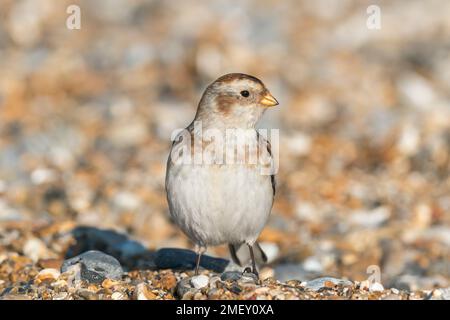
[49, 272]
[117, 296]
[42, 175]
[35, 249]
[376, 287]
[199, 281]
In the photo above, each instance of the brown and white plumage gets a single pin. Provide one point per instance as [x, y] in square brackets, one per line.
[220, 202]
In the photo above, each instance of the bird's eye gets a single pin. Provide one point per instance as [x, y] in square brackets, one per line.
[245, 93]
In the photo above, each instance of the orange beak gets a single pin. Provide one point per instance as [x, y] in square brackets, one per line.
[268, 100]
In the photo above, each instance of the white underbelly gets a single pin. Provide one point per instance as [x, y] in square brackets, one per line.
[219, 204]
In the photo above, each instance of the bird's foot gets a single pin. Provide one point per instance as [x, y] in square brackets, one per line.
[251, 273]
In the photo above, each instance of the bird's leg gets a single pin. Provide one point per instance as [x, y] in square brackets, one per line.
[252, 255]
[199, 250]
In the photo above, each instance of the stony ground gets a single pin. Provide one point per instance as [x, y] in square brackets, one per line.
[86, 118]
[36, 269]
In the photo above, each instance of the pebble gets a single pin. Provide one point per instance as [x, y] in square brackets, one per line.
[128, 249]
[51, 263]
[395, 291]
[372, 218]
[312, 264]
[48, 273]
[143, 293]
[184, 287]
[320, 283]
[109, 283]
[174, 258]
[35, 249]
[200, 281]
[61, 296]
[87, 294]
[248, 277]
[441, 294]
[376, 287]
[364, 285]
[96, 266]
[168, 281]
[231, 276]
[118, 296]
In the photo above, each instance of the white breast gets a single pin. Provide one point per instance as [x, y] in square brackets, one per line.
[216, 204]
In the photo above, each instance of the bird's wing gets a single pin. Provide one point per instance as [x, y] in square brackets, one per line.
[266, 144]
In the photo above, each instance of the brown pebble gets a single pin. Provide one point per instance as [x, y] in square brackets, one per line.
[143, 293]
[168, 281]
[50, 263]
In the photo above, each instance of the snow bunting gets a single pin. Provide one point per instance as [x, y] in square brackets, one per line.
[215, 200]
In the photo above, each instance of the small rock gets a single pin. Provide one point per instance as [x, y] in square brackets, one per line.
[199, 281]
[168, 281]
[376, 287]
[364, 285]
[173, 258]
[118, 296]
[441, 294]
[95, 266]
[89, 238]
[395, 291]
[127, 201]
[320, 283]
[248, 277]
[74, 275]
[128, 249]
[445, 293]
[184, 287]
[87, 294]
[60, 296]
[266, 273]
[50, 263]
[143, 293]
[213, 281]
[391, 296]
[312, 264]
[48, 274]
[108, 283]
[231, 276]
[35, 249]
[372, 218]
[235, 288]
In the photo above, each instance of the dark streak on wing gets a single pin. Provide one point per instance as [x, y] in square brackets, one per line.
[272, 177]
[269, 150]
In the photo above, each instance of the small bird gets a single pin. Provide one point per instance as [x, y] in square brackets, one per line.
[223, 202]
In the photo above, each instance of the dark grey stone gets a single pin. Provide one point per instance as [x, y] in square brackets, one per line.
[248, 277]
[173, 258]
[231, 276]
[184, 286]
[96, 266]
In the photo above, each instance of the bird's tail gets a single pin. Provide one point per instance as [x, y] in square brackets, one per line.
[241, 254]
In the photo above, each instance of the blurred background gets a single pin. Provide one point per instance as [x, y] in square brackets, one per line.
[86, 118]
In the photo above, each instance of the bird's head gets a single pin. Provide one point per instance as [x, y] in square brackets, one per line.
[235, 100]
